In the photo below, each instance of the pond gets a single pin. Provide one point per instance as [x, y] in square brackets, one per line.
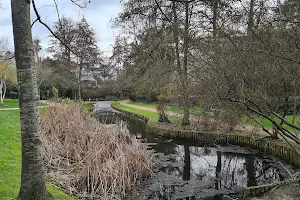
[185, 169]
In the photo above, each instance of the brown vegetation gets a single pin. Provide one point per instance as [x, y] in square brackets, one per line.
[88, 158]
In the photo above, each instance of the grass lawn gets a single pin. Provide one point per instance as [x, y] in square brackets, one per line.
[147, 105]
[196, 110]
[14, 103]
[10, 103]
[193, 110]
[153, 116]
[10, 156]
[266, 123]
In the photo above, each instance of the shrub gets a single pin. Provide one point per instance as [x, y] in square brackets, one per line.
[230, 118]
[12, 95]
[162, 115]
[90, 159]
[209, 123]
[54, 93]
[48, 93]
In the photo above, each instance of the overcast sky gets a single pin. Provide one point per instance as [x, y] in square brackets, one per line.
[99, 14]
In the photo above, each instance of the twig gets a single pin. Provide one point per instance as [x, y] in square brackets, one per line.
[285, 169]
[162, 12]
[44, 24]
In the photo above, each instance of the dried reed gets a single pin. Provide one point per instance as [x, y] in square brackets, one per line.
[89, 159]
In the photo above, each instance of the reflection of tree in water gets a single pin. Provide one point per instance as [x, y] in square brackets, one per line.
[207, 163]
[218, 171]
[265, 173]
[250, 170]
[233, 171]
[187, 163]
[138, 129]
[229, 169]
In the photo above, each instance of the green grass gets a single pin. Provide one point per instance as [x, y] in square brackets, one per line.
[88, 105]
[193, 110]
[196, 110]
[266, 123]
[14, 103]
[67, 100]
[153, 116]
[10, 157]
[147, 105]
[11, 103]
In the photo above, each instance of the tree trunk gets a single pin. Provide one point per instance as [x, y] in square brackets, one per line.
[186, 109]
[251, 18]
[182, 72]
[4, 92]
[215, 17]
[33, 184]
[79, 83]
[1, 91]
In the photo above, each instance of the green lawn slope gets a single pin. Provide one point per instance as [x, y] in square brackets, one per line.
[10, 156]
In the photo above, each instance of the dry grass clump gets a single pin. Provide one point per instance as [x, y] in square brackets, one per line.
[88, 158]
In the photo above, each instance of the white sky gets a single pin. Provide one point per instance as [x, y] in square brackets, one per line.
[99, 14]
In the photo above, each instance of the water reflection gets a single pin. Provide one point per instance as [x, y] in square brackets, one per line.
[208, 171]
[227, 169]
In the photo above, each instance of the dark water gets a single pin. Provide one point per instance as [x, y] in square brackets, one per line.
[189, 170]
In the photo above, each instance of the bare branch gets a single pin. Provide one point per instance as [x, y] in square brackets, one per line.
[40, 20]
[8, 58]
[34, 22]
[83, 5]
[162, 12]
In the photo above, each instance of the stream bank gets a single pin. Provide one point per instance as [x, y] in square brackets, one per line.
[188, 168]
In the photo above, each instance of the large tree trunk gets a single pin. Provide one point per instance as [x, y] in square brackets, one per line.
[33, 184]
[182, 72]
[185, 95]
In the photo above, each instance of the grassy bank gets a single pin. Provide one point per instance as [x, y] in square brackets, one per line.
[153, 116]
[10, 156]
[266, 123]
[245, 120]
[14, 103]
[193, 110]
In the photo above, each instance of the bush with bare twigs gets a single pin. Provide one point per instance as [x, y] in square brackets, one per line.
[90, 159]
